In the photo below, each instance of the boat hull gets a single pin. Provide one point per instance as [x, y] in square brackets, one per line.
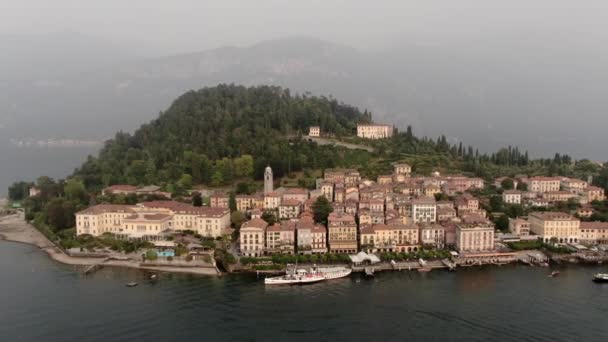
[330, 274]
[302, 281]
[294, 280]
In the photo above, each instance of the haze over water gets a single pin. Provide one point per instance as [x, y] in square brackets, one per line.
[29, 163]
[43, 300]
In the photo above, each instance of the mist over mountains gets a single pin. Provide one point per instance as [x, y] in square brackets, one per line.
[542, 93]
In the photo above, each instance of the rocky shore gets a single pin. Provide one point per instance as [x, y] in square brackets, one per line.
[14, 228]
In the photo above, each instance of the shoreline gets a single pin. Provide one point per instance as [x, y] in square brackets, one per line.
[13, 228]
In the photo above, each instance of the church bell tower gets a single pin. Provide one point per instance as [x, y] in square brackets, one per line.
[268, 181]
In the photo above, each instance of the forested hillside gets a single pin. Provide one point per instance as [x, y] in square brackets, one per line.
[215, 135]
[219, 135]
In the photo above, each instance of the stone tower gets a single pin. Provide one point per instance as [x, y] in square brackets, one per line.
[268, 181]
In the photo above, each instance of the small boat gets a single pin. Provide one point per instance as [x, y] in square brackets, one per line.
[553, 274]
[600, 278]
[299, 277]
[132, 284]
[153, 277]
[424, 269]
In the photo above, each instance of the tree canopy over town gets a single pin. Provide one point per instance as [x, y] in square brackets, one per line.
[221, 134]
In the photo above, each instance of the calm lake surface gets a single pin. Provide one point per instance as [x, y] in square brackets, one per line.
[45, 301]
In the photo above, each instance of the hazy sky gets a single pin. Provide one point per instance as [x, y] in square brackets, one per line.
[186, 25]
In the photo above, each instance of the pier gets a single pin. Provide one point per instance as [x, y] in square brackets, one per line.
[93, 268]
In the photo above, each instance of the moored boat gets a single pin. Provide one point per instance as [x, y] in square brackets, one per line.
[600, 278]
[299, 277]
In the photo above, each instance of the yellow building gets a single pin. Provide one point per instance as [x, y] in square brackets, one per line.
[314, 131]
[102, 218]
[403, 169]
[594, 232]
[147, 226]
[544, 184]
[118, 219]
[555, 226]
[390, 238]
[342, 231]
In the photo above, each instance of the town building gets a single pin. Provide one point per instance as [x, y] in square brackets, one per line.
[374, 131]
[555, 226]
[574, 186]
[466, 203]
[594, 232]
[385, 179]
[328, 190]
[289, 209]
[390, 238]
[298, 194]
[538, 202]
[152, 190]
[424, 209]
[219, 200]
[519, 227]
[544, 184]
[34, 191]
[118, 189]
[304, 235]
[102, 218]
[314, 131]
[511, 196]
[272, 201]
[403, 169]
[593, 193]
[245, 203]
[445, 214]
[206, 221]
[280, 238]
[342, 230]
[432, 234]
[252, 238]
[147, 226]
[141, 222]
[319, 239]
[558, 196]
[585, 210]
[474, 237]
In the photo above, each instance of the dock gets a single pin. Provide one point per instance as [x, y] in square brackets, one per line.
[401, 266]
[92, 269]
[449, 264]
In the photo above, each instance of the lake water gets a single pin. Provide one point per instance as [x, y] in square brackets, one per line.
[41, 300]
[28, 163]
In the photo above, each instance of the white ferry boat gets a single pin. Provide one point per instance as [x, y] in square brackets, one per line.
[300, 276]
[601, 278]
[332, 272]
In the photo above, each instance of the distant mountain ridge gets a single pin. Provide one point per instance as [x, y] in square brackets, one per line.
[483, 93]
